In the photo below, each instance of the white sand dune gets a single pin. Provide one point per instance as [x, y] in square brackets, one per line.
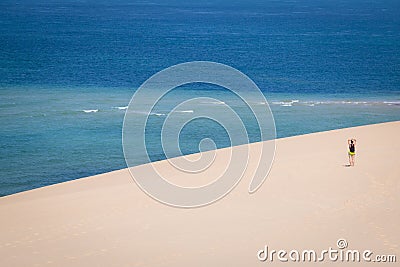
[309, 201]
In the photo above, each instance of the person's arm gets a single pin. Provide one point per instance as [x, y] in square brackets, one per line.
[355, 141]
[348, 141]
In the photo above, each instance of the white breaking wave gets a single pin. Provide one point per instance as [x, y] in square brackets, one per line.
[185, 111]
[145, 113]
[122, 108]
[285, 103]
[90, 110]
[392, 102]
[214, 102]
[158, 114]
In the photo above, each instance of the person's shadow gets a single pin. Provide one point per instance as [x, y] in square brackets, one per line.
[346, 165]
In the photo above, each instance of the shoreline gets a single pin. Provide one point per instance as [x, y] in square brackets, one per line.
[125, 169]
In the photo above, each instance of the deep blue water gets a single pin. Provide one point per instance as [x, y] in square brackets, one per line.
[321, 64]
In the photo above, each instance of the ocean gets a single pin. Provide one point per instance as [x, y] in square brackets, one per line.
[68, 70]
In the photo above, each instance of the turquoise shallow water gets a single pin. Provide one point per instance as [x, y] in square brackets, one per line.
[50, 135]
[69, 68]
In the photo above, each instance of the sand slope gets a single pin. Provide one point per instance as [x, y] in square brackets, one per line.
[309, 201]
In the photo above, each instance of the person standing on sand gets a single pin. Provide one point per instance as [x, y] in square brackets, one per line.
[352, 150]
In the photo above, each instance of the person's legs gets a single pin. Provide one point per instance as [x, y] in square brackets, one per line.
[353, 157]
[349, 159]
